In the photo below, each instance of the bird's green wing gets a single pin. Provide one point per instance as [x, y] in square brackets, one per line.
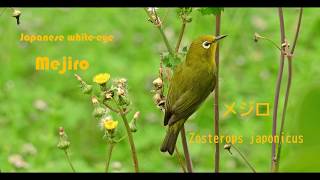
[187, 104]
[185, 97]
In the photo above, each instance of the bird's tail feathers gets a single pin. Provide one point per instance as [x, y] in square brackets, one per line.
[170, 140]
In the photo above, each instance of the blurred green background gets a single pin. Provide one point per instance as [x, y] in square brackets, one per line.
[35, 104]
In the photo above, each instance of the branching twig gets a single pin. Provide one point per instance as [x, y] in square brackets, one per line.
[289, 57]
[159, 26]
[130, 138]
[216, 99]
[244, 158]
[277, 92]
[111, 108]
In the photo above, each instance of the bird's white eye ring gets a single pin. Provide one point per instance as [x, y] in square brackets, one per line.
[206, 45]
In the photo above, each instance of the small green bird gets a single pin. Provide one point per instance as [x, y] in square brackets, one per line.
[193, 80]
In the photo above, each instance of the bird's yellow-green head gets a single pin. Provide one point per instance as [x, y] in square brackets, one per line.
[203, 49]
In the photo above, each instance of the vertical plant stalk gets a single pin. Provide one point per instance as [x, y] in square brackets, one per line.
[110, 148]
[185, 149]
[159, 26]
[244, 158]
[132, 146]
[69, 161]
[180, 160]
[183, 27]
[130, 138]
[165, 39]
[289, 57]
[183, 131]
[216, 100]
[172, 53]
[277, 93]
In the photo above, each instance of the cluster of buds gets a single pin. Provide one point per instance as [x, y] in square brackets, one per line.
[102, 103]
[63, 143]
[108, 94]
[154, 18]
[158, 97]
[120, 88]
[98, 111]
[184, 14]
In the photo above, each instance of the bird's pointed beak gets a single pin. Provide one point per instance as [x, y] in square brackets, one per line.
[218, 38]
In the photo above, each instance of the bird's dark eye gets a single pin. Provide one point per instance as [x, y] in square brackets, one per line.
[206, 45]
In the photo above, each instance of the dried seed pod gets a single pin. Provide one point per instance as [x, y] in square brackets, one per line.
[161, 103]
[122, 81]
[120, 92]
[94, 100]
[227, 147]
[16, 14]
[136, 115]
[157, 98]
[158, 83]
[109, 94]
[99, 112]
[257, 37]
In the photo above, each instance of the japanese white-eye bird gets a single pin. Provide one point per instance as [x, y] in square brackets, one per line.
[192, 81]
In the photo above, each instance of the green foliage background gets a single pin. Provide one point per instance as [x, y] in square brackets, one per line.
[248, 73]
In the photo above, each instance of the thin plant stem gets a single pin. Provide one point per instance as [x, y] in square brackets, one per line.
[130, 138]
[109, 153]
[185, 150]
[277, 93]
[180, 160]
[289, 57]
[216, 100]
[69, 161]
[183, 133]
[284, 113]
[132, 146]
[111, 108]
[272, 42]
[244, 158]
[165, 39]
[297, 31]
[183, 27]
[159, 26]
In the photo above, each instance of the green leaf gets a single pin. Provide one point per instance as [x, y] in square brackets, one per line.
[166, 59]
[170, 61]
[185, 49]
[209, 11]
[184, 11]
